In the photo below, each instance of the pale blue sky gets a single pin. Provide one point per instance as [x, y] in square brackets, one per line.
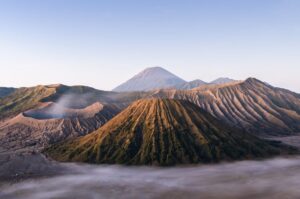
[103, 43]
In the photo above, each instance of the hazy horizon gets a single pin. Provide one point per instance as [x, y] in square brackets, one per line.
[102, 44]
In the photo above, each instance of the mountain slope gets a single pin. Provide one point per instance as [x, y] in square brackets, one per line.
[190, 85]
[150, 79]
[162, 132]
[4, 91]
[222, 80]
[251, 105]
[24, 99]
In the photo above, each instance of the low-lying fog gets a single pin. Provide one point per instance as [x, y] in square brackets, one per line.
[276, 178]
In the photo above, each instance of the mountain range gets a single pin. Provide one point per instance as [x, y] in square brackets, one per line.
[35, 118]
[163, 132]
[251, 105]
[159, 78]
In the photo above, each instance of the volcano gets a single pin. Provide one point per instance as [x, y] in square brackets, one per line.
[163, 132]
[52, 123]
[150, 79]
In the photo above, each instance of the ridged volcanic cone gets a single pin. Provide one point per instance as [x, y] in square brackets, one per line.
[163, 132]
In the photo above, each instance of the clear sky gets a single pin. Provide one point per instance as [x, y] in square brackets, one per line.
[102, 43]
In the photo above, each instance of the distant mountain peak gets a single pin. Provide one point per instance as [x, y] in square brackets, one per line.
[150, 79]
[252, 79]
[198, 81]
[222, 80]
[255, 82]
[155, 68]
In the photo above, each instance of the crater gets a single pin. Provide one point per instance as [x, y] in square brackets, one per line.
[57, 111]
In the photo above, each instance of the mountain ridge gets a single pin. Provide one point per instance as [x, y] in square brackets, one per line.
[154, 78]
[251, 105]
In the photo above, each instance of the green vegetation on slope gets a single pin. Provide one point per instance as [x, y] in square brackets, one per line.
[23, 99]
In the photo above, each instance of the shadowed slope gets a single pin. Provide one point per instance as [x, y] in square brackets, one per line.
[162, 132]
[4, 91]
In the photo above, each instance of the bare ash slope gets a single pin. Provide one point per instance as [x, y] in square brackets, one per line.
[251, 105]
[34, 129]
[162, 132]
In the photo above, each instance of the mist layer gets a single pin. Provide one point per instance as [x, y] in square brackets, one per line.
[277, 178]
